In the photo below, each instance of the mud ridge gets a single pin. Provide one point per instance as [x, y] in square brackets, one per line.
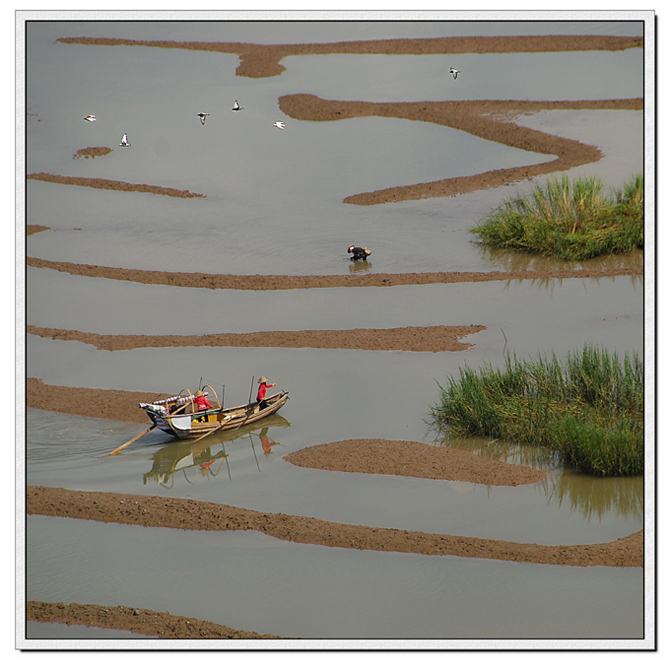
[162, 625]
[263, 60]
[409, 338]
[487, 119]
[198, 515]
[288, 282]
[112, 185]
[404, 458]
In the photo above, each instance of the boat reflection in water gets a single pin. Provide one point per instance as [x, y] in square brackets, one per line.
[207, 458]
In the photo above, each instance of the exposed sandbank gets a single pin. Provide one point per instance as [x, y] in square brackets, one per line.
[288, 282]
[263, 60]
[410, 338]
[198, 515]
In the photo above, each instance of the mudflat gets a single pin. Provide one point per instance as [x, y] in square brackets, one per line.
[492, 120]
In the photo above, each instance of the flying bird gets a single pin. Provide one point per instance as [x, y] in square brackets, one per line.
[279, 124]
[124, 141]
[236, 106]
[454, 72]
[90, 117]
[203, 117]
[359, 253]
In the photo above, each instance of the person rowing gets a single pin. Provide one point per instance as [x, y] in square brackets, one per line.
[263, 387]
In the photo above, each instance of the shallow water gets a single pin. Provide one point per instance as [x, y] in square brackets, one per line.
[251, 582]
[298, 178]
[274, 205]
[69, 453]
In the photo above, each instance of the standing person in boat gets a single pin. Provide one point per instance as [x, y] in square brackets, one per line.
[202, 404]
[262, 390]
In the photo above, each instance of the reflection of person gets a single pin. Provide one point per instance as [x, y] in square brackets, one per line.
[265, 440]
[202, 404]
[262, 390]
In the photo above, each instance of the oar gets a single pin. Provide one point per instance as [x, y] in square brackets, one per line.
[211, 432]
[125, 444]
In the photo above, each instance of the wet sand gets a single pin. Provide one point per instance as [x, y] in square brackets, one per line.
[492, 120]
[288, 282]
[112, 185]
[489, 119]
[263, 60]
[413, 459]
[92, 152]
[188, 514]
[162, 625]
[410, 338]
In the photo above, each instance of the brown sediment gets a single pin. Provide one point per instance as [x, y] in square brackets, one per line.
[287, 282]
[491, 120]
[113, 185]
[389, 457]
[487, 119]
[90, 402]
[413, 459]
[188, 514]
[31, 229]
[263, 60]
[162, 625]
[409, 338]
[92, 152]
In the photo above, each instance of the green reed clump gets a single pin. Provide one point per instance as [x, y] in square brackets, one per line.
[570, 220]
[590, 408]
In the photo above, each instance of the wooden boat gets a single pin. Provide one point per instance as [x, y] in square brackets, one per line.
[178, 416]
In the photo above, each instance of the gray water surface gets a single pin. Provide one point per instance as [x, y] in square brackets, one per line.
[274, 205]
[248, 581]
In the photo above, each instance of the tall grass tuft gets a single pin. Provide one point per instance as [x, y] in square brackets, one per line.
[590, 408]
[571, 220]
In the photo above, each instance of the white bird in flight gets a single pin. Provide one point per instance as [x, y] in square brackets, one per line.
[236, 106]
[279, 124]
[90, 117]
[124, 141]
[203, 117]
[454, 72]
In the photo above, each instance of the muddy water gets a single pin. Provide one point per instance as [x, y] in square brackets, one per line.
[274, 205]
[245, 580]
[295, 178]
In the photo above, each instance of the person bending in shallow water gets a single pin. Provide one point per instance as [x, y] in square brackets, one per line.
[359, 253]
[262, 390]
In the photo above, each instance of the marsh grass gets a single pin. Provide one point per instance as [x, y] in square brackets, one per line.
[589, 408]
[571, 220]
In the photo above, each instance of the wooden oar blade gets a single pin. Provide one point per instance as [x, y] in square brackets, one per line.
[125, 444]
